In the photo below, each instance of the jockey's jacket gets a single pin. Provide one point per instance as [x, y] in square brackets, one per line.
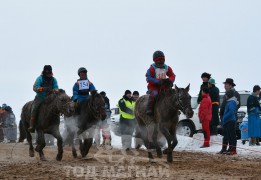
[155, 74]
[40, 83]
[81, 89]
[129, 105]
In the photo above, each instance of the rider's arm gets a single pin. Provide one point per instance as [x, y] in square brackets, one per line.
[55, 84]
[92, 87]
[37, 85]
[75, 91]
[170, 74]
[150, 76]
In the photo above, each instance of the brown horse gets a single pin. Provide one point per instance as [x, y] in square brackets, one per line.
[48, 121]
[84, 124]
[165, 119]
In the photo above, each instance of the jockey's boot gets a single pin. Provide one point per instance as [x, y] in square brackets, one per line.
[150, 106]
[32, 124]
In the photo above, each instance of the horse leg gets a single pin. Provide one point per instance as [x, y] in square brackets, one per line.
[174, 139]
[144, 135]
[31, 147]
[87, 146]
[166, 133]
[59, 138]
[155, 141]
[40, 144]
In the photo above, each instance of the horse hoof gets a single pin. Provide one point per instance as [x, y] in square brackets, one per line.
[74, 155]
[31, 153]
[43, 158]
[170, 159]
[165, 151]
[59, 157]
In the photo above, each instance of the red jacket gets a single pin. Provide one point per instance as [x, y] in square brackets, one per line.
[205, 108]
[154, 75]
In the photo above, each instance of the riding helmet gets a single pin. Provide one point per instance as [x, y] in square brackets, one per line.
[82, 69]
[158, 55]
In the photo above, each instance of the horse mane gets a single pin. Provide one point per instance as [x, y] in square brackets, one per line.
[53, 94]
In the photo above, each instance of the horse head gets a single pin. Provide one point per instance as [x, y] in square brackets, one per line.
[98, 104]
[184, 101]
[63, 102]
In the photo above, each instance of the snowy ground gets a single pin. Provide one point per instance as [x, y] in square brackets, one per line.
[193, 145]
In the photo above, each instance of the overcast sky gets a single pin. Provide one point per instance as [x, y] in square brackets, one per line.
[115, 40]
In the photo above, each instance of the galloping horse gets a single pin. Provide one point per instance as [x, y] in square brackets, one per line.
[48, 121]
[165, 119]
[90, 111]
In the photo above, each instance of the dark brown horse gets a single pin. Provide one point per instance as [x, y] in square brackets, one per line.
[90, 111]
[165, 119]
[48, 121]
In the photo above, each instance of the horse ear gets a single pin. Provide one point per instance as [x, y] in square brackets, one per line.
[187, 88]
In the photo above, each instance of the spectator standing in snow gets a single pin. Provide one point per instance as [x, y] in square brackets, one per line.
[214, 95]
[244, 130]
[254, 122]
[205, 78]
[127, 119]
[229, 85]
[205, 115]
[229, 125]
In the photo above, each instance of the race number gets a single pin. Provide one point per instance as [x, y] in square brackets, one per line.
[83, 84]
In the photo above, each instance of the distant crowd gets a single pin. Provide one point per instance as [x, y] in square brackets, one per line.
[8, 127]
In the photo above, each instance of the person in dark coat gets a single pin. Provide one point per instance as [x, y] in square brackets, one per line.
[205, 77]
[229, 84]
[214, 95]
[229, 125]
[11, 133]
[254, 122]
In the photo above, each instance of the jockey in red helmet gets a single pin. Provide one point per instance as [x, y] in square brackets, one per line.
[157, 78]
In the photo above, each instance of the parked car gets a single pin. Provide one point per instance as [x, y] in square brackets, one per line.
[188, 127]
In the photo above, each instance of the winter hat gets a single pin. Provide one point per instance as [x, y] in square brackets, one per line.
[82, 69]
[230, 81]
[230, 93]
[206, 75]
[47, 69]
[4, 105]
[256, 88]
[102, 93]
[158, 55]
[211, 81]
[135, 93]
[127, 92]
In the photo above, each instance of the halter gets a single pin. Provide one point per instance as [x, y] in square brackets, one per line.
[183, 108]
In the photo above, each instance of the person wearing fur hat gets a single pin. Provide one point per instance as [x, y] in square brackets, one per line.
[229, 84]
[127, 119]
[214, 95]
[205, 77]
[229, 125]
[82, 87]
[44, 84]
[254, 122]
[157, 79]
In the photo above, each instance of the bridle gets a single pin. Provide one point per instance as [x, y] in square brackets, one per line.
[182, 107]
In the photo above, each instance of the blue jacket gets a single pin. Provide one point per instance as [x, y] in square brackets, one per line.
[81, 94]
[244, 130]
[39, 83]
[230, 110]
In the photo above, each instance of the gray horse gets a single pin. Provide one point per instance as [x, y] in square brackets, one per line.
[48, 121]
[84, 122]
[165, 119]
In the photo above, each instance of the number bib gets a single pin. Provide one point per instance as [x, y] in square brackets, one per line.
[83, 84]
[160, 73]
